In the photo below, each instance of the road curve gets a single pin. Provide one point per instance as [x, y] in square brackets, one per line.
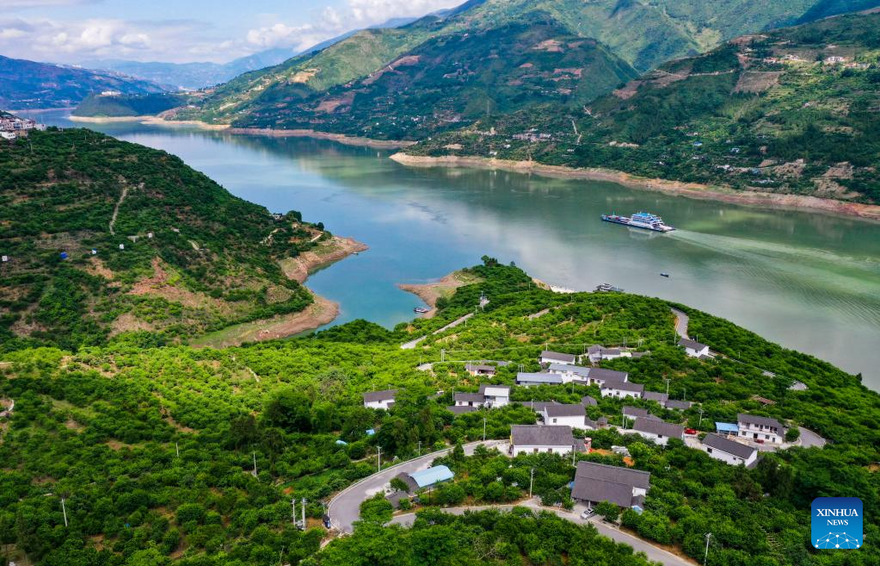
[681, 322]
[344, 508]
[809, 439]
[653, 553]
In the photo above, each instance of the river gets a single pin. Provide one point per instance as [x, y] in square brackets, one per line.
[806, 280]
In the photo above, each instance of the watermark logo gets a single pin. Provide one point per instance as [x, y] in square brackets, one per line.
[837, 523]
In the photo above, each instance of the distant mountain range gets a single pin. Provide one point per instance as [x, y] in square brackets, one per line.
[28, 84]
[192, 76]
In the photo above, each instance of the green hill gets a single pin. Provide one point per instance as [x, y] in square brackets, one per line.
[154, 449]
[196, 258]
[451, 80]
[791, 111]
[132, 105]
[28, 84]
[644, 33]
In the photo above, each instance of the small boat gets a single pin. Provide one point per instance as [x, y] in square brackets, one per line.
[608, 288]
[644, 220]
[422, 310]
[664, 275]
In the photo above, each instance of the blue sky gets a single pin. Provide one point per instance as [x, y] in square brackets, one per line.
[72, 31]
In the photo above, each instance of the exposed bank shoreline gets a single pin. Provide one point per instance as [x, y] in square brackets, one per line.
[689, 190]
[322, 311]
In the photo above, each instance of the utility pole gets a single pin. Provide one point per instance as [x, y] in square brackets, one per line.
[531, 481]
[293, 510]
[64, 511]
[379, 459]
[176, 447]
[303, 505]
[701, 416]
[623, 418]
[420, 447]
[484, 429]
[706, 556]
[443, 354]
[255, 464]
[667, 380]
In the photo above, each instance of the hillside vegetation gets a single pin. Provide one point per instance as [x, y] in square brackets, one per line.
[453, 79]
[643, 33]
[153, 449]
[195, 257]
[28, 84]
[134, 105]
[791, 111]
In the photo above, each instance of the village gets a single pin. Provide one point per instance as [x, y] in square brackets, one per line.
[564, 429]
[13, 127]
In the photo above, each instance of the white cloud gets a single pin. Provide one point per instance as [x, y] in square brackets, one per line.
[277, 34]
[370, 12]
[25, 4]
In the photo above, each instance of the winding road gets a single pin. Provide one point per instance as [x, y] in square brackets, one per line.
[654, 553]
[681, 323]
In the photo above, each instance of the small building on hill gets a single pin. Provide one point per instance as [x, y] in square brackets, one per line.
[570, 415]
[754, 427]
[550, 357]
[570, 372]
[602, 376]
[621, 390]
[534, 439]
[597, 353]
[657, 431]
[480, 369]
[526, 379]
[624, 487]
[726, 429]
[730, 451]
[380, 399]
[693, 348]
[424, 479]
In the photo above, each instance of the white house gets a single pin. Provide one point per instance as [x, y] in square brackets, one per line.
[622, 389]
[657, 431]
[729, 451]
[489, 396]
[380, 399]
[526, 379]
[532, 439]
[624, 487]
[480, 369]
[597, 353]
[569, 415]
[496, 395]
[550, 357]
[656, 396]
[693, 348]
[570, 373]
[754, 427]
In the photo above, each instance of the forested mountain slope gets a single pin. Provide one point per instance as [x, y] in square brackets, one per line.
[153, 449]
[795, 110]
[644, 33]
[195, 257]
[453, 79]
[28, 84]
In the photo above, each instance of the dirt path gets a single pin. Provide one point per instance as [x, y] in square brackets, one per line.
[116, 210]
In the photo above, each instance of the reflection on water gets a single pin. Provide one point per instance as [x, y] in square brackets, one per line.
[808, 281]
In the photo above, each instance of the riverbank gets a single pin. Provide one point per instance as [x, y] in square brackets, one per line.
[689, 190]
[322, 311]
[339, 138]
[430, 293]
[108, 119]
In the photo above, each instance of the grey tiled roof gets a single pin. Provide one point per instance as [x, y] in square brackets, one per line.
[608, 375]
[758, 420]
[565, 411]
[563, 368]
[656, 396]
[676, 404]
[462, 410]
[588, 401]
[624, 386]
[730, 446]
[550, 355]
[549, 378]
[470, 397]
[658, 427]
[536, 435]
[692, 344]
[374, 396]
[600, 482]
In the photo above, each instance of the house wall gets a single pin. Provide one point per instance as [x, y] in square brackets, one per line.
[378, 404]
[573, 422]
[617, 393]
[730, 458]
[696, 353]
[766, 434]
[658, 440]
[555, 361]
[497, 401]
[529, 449]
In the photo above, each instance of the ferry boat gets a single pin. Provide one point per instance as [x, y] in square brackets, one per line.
[421, 310]
[608, 288]
[644, 220]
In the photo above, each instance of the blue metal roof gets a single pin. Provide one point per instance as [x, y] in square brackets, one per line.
[726, 427]
[431, 476]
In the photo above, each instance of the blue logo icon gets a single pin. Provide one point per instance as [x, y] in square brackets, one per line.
[837, 523]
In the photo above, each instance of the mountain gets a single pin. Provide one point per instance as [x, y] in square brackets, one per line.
[454, 79]
[643, 33]
[194, 76]
[793, 111]
[195, 258]
[106, 106]
[28, 84]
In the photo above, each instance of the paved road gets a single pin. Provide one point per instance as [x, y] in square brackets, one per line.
[413, 343]
[653, 553]
[810, 439]
[681, 322]
[344, 509]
